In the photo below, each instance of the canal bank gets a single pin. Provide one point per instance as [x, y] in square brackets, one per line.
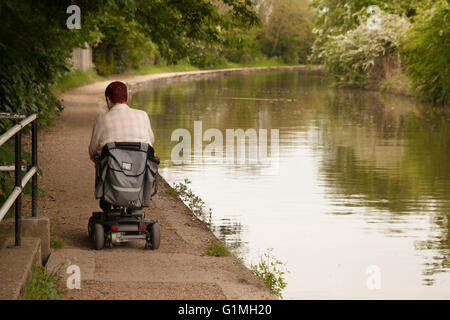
[180, 269]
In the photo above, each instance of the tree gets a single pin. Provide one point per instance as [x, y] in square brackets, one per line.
[335, 17]
[36, 45]
[350, 57]
[426, 53]
[351, 49]
[286, 29]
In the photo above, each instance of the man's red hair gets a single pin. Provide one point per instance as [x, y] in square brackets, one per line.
[117, 92]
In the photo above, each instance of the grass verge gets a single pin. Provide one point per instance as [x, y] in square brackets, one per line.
[184, 66]
[194, 202]
[44, 285]
[218, 249]
[398, 84]
[171, 190]
[55, 242]
[160, 68]
[263, 62]
[73, 79]
[271, 272]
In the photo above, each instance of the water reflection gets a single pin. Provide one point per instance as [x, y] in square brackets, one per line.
[230, 231]
[360, 179]
[393, 156]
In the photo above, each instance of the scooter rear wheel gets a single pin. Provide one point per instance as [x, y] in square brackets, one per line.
[155, 237]
[99, 236]
[91, 228]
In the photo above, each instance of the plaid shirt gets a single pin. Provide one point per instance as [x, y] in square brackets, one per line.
[120, 124]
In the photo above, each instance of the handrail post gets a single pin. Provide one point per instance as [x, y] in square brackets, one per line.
[18, 183]
[34, 160]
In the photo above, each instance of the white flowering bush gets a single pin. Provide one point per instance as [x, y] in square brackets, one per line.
[351, 56]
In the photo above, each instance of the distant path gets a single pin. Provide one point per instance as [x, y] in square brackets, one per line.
[179, 269]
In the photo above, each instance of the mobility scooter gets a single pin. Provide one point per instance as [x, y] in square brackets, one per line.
[126, 180]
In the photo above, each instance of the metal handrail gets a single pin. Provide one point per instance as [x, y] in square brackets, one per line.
[31, 173]
[11, 168]
[11, 132]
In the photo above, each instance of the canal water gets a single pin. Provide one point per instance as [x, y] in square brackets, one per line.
[354, 194]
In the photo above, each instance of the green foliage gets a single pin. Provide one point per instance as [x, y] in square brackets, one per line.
[286, 31]
[183, 25]
[334, 17]
[171, 190]
[398, 84]
[426, 53]
[35, 47]
[242, 46]
[44, 285]
[352, 53]
[7, 178]
[159, 68]
[131, 33]
[57, 243]
[204, 56]
[122, 42]
[73, 79]
[194, 202]
[271, 271]
[34, 51]
[218, 249]
[352, 56]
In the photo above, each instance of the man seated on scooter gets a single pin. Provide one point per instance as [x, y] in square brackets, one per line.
[120, 123]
